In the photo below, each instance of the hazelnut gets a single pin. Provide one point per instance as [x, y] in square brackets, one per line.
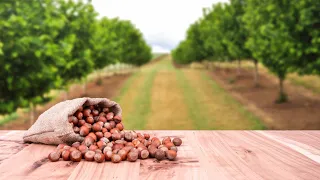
[115, 158]
[71, 119]
[101, 144]
[136, 142]
[122, 134]
[112, 124]
[159, 154]
[88, 125]
[134, 135]
[166, 140]
[146, 136]
[95, 112]
[174, 148]
[129, 144]
[66, 147]
[104, 130]
[115, 130]
[72, 149]
[98, 151]
[81, 122]
[110, 144]
[93, 147]
[107, 125]
[87, 112]
[99, 157]
[132, 156]
[76, 156]
[101, 124]
[93, 135]
[115, 151]
[154, 138]
[171, 154]
[119, 142]
[54, 156]
[169, 145]
[144, 154]
[76, 129]
[120, 126]
[107, 149]
[109, 116]
[88, 156]
[104, 139]
[164, 149]
[108, 155]
[66, 155]
[96, 127]
[152, 151]
[102, 119]
[116, 136]
[123, 154]
[83, 149]
[127, 148]
[177, 141]
[90, 120]
[117, 146]
[60, 146]
[91, 107]
[79, 115]
[88, 141]
[84, 131]
[107, 135]
[80, 108]
[128, 136]
[117, 119]
[99, 134]
[157, 143]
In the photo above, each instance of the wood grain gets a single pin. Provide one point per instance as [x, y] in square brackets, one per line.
[203, 155]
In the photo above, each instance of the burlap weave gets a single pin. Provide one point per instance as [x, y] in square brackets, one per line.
[52, 126]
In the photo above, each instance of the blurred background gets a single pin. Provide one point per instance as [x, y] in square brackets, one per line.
[238, 64]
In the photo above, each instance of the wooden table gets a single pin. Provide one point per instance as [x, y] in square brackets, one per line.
[203, 155]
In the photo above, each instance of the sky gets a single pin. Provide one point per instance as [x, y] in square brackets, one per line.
[162, 22]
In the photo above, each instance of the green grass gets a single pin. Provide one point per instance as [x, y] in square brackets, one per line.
[8, 118]
[126, 86]
[256, 122]
[142, 103]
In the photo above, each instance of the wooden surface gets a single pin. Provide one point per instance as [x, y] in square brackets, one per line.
[203, 155]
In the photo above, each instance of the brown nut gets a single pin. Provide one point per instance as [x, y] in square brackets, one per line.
[169, 145]
[146, 136]
[107, 135]
[159, 155]
[174, 148]
[116, 136]
[71, 119]
[136, 142]
[66, 155]
[177, 141]
[60, 146]
[123, 154]
[96, 127]
[79, 115]
[166, 140]
[80, 108]
[76, 156]
[107, 125]
[83, 149]
[120, 126]
[115, 151]
[93, 135]
[152, 151]
[154, 138]
[88, 156]
[144, 154]
[72, 149]
[95, 112]
[93, 147]
[164, 148]
[112, 124]
[76, 129]
[101, 145]
[128, 136]
[115, 158]
[117, 146]
[157, 143]
[129, 144]
[88, 141]
[99, 134]
[86, 112]
[104, 130]
[102, 119]
[66, 147]
[132, 156]
[54, 156]
[105, 110]
[84, 131]
[115, 130]
[88, 125]
[98, 151]
[108, 155]
[171, 154]
[99, 157]
[117, 119]
[109, 116]
[81, 122]
[90, 120]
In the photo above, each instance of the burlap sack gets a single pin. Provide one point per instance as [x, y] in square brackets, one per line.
[52, 126]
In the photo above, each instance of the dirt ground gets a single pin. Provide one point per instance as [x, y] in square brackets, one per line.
[301, 112]
[109, 88]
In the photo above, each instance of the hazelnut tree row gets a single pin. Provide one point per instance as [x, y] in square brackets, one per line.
[282, 35]
[49, 44]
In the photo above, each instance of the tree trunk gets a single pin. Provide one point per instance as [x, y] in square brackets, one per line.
[256, 73]
[239, 67]
[282, 95]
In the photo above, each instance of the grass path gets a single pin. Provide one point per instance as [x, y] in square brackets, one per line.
[162, 97]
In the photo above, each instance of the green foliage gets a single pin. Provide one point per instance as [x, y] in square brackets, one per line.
[46, 44]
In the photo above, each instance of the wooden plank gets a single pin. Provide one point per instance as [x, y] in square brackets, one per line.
[10, 144]
[302, 142]
[186, 165]
[255, 155]
[32, 163]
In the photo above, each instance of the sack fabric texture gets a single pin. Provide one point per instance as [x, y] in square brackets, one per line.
[52, 126]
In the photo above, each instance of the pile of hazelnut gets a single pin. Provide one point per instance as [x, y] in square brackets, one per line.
[106, 140]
